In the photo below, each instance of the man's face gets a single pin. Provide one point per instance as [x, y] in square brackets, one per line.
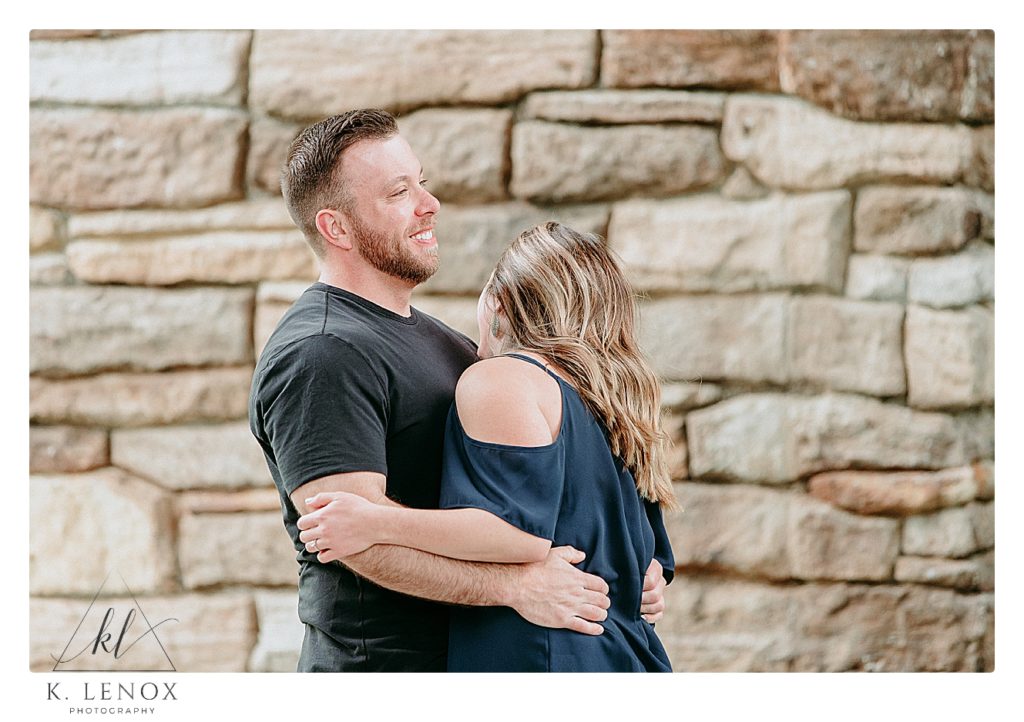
[392, 214]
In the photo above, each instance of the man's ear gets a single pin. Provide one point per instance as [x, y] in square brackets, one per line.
[333, 228]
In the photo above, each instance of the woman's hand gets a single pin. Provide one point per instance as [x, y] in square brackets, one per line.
[342, 525]
[652, 602]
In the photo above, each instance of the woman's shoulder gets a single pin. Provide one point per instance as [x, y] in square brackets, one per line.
[507, 400]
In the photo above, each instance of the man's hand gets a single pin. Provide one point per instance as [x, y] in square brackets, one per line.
[652, 602]
[553, 593]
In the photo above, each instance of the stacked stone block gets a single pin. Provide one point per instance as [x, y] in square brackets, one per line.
[807, 215]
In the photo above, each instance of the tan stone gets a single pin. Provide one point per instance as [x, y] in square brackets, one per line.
[558, 162]
[280, 636]
[789, 143]
[45, 230]
[827, 543]
[727, 527]
[266, 318]
[972, 574]
[83, 329]
[893, 628]
[217, 257]
[56, 34]
[48, 269]
[257, 214]
[847, 345]
[269, 141]
[742, 186]
[716, 338]
[985, 476]
[464, 152]
[165, 67]
[472, 238]
[891, 75]
[191, 457]
[977, 428]
[130, 399]
[625, 106]
[893, 219]
[299, 73]
[706, 243]
[687, 396]
[977, 102]
[680, 58]
[280, 291]
[739, 626]
[205, 502]
[715, 625]
[877, 278]
[981, 168]
[955, 532]
[86, 526]
[198, 633]
[673, 424]
[86, 158]
[66, 449]
[272, 301]
[956, 280]
[950, 357]
[459, 313]
[899, 492]
[236, 548]
[737, 528]
[772, 438]
[983, 519]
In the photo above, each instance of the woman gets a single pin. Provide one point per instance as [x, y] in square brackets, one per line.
[554, 438]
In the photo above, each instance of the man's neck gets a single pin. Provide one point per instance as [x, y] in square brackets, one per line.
[386, 291]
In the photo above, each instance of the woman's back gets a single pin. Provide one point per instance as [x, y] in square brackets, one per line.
[575, 492]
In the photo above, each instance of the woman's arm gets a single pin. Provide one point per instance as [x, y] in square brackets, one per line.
[352, 524]
[499, 400]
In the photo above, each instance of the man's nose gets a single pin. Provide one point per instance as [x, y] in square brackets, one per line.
[428, 203]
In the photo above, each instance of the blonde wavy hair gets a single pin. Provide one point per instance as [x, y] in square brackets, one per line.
[566, 299]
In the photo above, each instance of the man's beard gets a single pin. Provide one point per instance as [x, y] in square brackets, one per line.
[392, 256]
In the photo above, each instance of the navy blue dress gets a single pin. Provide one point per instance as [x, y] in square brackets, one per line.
[573, 491]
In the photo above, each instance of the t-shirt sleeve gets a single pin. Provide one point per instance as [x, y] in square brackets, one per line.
[662, 545]
[520, 485]
[324, 411]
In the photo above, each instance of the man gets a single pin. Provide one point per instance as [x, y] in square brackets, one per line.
[351, 393]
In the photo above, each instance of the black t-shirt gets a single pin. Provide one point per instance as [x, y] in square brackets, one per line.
[345, 385]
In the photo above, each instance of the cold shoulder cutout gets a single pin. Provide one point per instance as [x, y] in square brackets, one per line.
[573, 491]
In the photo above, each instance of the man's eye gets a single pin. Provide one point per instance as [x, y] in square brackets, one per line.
[423, 182]
[399, 192]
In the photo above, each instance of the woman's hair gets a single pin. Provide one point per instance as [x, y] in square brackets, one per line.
[565, 298]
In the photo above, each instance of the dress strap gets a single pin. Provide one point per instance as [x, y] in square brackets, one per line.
[535, 362]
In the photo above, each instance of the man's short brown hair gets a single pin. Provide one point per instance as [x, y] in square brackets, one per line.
[310, 180]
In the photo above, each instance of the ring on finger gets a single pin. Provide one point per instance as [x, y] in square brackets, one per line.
[316, 544]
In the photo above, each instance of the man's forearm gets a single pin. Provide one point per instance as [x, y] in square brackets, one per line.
[421, 574]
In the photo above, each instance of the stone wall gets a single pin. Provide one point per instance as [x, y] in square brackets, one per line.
[808, 214]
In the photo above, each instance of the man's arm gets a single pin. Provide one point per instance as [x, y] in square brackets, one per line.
[550, 593]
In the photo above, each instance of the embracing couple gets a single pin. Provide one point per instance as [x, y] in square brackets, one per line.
[457, 506]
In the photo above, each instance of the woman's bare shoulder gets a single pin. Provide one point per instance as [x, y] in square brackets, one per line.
[501, 400]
